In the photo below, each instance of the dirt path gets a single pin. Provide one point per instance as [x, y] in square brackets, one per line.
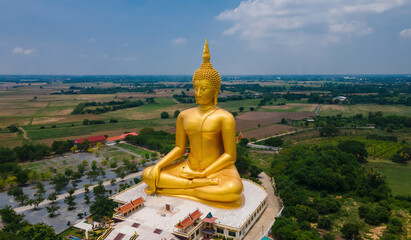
[77, 192]
[24, 133]
[267, 218]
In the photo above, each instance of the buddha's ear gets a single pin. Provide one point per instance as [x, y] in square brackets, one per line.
[216, 98]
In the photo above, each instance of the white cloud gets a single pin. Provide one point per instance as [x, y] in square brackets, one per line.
[19, 50]
[274, 20]
[91, 39]
[406, 33]
[179, 41]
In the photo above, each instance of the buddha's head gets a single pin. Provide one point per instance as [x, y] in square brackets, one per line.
[206, 81]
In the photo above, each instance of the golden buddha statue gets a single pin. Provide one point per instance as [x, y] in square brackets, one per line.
[208, 175]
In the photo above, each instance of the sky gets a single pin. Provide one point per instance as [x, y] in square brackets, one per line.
[161, 37]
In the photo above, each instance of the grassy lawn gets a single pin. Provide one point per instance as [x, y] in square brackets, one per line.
[398, 175]
[117, 155]
[134, 149]
[350, 110]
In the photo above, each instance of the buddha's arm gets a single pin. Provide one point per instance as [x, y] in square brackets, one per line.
[179, 149]
[229, 156]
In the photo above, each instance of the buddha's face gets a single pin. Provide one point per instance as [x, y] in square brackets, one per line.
[204, 92]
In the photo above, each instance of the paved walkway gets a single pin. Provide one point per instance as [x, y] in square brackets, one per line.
[77, 192]
[273, 208]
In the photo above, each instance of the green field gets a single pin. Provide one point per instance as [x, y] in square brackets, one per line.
[350, 110]
[235, 105]
[66, 129]
[134, 149]
[398, 175]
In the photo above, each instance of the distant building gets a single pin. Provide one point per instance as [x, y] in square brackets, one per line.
[123, 136]
[111, 140]
[239, 137]
[340, 98]
[93, 140]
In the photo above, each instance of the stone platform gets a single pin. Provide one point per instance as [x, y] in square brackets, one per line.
[154, 221]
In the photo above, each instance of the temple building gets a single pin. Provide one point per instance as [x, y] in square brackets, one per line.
[149, 216]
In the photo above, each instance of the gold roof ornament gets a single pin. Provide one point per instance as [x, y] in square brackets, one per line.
[207, 71]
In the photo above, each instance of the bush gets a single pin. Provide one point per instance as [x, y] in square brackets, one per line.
[351, 231]
[325, 223]
[164, 115]
[274, 142]
[373, 214]
[403, 155]
[305, 213]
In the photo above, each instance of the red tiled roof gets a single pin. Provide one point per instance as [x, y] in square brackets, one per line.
[126, 134]
[196, 214]
[92, 139]
[185, 223]
[109, 139]
[137, 201]
[126, 208]
[209, 220]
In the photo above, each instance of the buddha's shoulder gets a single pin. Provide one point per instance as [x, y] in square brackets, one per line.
[188, 111]
[224, 114]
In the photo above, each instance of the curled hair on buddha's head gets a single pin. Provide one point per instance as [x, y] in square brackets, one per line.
[206, 71]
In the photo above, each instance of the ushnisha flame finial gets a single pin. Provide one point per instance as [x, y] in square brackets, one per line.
[206, 71]
[206, 52]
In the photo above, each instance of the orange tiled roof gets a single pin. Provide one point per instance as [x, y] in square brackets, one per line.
[195, 215]
[137, 201]
[187, 222]
[126, 134]
[126, 208]
[109, 139]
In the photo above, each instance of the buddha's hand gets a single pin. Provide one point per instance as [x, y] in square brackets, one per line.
[187, 172]
[154, 176]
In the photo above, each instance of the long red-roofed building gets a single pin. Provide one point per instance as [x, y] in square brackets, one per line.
[93, 140]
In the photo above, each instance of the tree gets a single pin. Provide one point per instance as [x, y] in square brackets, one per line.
[68, 172]
[8, 236]
[403, 155]
[39, 195]
[244, 142]
[102, 207]
[254, 170]
[355, 147]
[8, 215]
[99, 190]
[18, 195]
[13, 128]
[165, 115]
[39, 231]
[81, 169]
[274, 142]
[69, 200]
[351, 231]
[52, 209]
[59, 182]
[325, 223]
[52, 197]
[176, 112]
[86, 121]
[86, 193]
[252, 108]
[241, 109]
[329, 130]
